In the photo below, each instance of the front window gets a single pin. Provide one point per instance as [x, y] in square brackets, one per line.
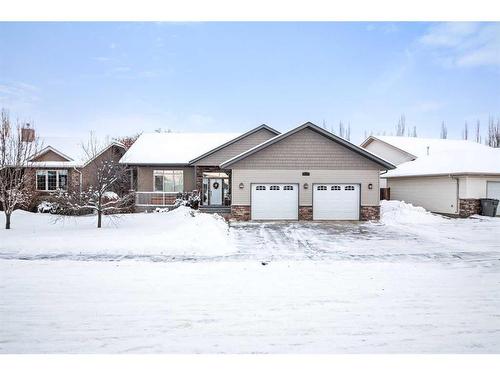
[47, 180]
[168, 181]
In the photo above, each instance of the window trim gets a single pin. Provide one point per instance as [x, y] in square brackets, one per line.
[162, 173]
[45, 173]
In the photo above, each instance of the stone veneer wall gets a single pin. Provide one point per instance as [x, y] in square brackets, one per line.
[240, 213]
[370, 213]
[468, 207]
[305, 213]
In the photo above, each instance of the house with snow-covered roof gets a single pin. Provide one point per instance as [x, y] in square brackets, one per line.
[442, 175]
[306, 173]
[62, 164]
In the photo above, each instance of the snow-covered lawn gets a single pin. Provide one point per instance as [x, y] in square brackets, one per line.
[178, 283]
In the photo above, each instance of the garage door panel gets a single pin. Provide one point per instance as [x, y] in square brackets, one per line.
[275, 201]
[336, 201]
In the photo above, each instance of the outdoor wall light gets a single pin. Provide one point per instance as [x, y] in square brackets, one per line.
[370, 186]
[306, 186]
[241, 185]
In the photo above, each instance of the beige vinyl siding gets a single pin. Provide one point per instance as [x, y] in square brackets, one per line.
[248, 176]
[307, 150]
[475, 187]
[145, 177]
[236, 148]
[436, 194]
[387, 152]
[49, 155]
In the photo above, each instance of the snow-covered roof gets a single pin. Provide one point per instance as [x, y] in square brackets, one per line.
[173, 148]
[444, 156]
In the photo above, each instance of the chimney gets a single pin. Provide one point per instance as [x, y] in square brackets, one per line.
[27, 133]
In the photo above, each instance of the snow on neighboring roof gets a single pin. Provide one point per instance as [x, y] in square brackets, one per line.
[444, 156]
[173, 148]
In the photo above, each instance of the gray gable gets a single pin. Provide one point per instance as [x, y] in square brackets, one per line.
[236, 146]
[307, 147]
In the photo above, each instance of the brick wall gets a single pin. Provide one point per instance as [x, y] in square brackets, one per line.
[370, 213]
[305, 213]
[468, 207]
[241, 213]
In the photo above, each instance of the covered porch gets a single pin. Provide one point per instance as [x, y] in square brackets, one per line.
[214, 185]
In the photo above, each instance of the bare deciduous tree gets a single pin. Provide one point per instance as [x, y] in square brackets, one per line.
[444, 131]
[401, 127]
[493, 133]
[465, 133]
[128, 140]
[105, 192]
[478, 132]
[17, 145]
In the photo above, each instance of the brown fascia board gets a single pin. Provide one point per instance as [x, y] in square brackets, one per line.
[316, 128]
[263, 126]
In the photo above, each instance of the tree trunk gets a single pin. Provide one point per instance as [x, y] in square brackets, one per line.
[7, 220]
[99, 218]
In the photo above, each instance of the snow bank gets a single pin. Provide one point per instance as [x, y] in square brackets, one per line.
[180, 232]
[400, 212]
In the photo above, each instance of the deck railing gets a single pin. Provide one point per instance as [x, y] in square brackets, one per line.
[154, 198]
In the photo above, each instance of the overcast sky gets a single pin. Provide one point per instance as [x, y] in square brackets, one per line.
[123, 78]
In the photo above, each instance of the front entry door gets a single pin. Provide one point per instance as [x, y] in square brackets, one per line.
[215, 191]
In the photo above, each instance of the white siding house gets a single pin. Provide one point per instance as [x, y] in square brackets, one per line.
[444, 176]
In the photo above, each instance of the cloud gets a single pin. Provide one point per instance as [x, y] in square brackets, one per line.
[18, 96]
[459, 44]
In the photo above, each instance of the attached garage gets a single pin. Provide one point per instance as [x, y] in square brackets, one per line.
[306, 173]
[336, 201]
[275, 202]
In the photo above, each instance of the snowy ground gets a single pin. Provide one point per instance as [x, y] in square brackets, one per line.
[175, 283]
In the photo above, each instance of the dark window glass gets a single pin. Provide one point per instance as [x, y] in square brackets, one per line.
[52, 180]
[40, 181]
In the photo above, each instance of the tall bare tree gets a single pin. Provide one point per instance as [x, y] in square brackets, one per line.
[17, 145]
[444, 131]
[341, 130]
[478, 132]
[401, 127]
[465, 133]
[493, 133]
[105, 191]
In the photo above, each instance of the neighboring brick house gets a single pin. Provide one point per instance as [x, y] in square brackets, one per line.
[60, 164]
[307, 173]
[442, 175]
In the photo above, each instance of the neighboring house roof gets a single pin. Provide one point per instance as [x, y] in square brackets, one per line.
[234, 140]
[444, 157]
[69, 148]
[173, 148]
[387, 142]
[52, 149]
[319, 130]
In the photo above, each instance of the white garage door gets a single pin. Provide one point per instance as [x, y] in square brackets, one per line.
[336, 201]
[493, 191]
[275, 201]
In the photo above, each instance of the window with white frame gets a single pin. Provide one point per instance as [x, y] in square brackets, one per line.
[51, 180]
[168, 181]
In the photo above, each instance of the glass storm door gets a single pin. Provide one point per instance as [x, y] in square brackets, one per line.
[215, 189]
